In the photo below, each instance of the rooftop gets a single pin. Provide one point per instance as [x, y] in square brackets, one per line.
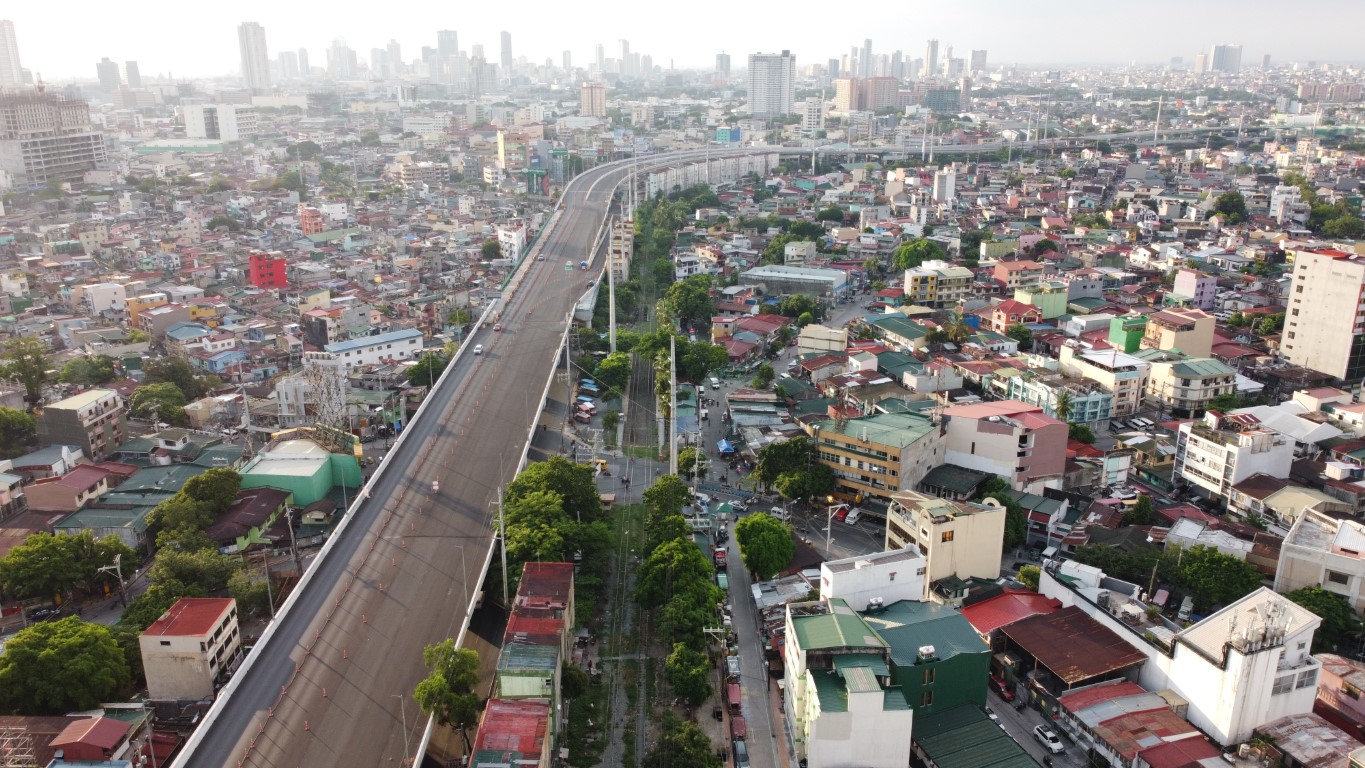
[908, 625]
[1001, 610]
[83, 400]
[191, 617]
[899, 430]
[963, 737]
[1073, 646]
[831, 624]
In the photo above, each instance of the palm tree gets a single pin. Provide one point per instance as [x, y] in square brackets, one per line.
[1063, 407]
[959, 330]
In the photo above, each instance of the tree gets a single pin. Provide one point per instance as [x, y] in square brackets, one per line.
[59, 666]
[614, 372]
[687, 301]
[692, 462]
[137, 336]
[1016, 520]
[428, 369]
[574, 483]
[17, 432]
[573, 681]
[912, 254]
[173, 369]
[1020, 333]
[833, 213]
[447, 692]
[217, 488]
[251, 592]
[805, 483]
[687, 670]
[230, 223]
[673, 565]
[1140, 513]
[765, 544]
[1029, 576]
[1064, 404]
[1339, 622]
[162, 402]
[666, 497]
[776, 459]
[44, 566]
[25, 361]
[763, 377]
[1081, 434]
[88, 371]
[1215, 579]
[1232, 206]
[491, 249]
[681, 743]
[957, 328]
[146, 608]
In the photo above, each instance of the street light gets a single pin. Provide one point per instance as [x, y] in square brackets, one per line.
[403, 710]
[832, 507]
[117, 570]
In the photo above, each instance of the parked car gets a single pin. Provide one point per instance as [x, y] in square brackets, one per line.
[1048, 739]
[45, 614]
[1002, 689]
[739, 507]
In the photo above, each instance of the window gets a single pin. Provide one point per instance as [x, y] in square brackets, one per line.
[165, 642]
[929, 676]
[926, 698]
[946, 537]
[1307, 678]
[1336, 577]
[1283, 685]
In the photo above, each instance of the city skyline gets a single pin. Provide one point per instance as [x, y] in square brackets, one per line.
[55, 50]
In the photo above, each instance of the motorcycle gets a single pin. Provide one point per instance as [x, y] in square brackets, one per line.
[435, 487]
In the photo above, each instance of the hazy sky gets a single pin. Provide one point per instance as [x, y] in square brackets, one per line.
[64, 40]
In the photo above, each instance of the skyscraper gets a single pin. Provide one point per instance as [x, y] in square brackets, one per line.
[255, 59]
[289, 64]
[11, 73]
[506, 53]
[304, 69]
[395, 52]
[341, 61]
[772, 83]
[107, 71]
[131, 75]
[592, 100]
[930, 59]
[568, 61]
[601, 59]
[447, 43]
[978, 62]
[1324, 330]
[1226, 59]
[626, 70]
[865, 59]
[723, 64]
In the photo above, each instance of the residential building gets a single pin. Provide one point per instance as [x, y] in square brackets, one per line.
[93, 299]
[107, 72]
[841, 707]
[1244, 665]
[1324, 550]
[1126, 332]
[1089, 402]
[1119, 372]
[369, 350]
[47, 137]
[1225, 58]
[225, 122]
[778, 279]
[1049, 296]
[255, 57]
[191, 648]
[877, 578]
[1009, 313]
[267, 270]
[945, 186]
[959, 540]
[514, 733]
[1324, 328]
[772, 84]
[1185, 387]
[937, 659]
[433, 175]
[1189, 331]
[1018, 274]
[592, 99]
[94, 421]
[1012, 440]
[938, 283]
[1194, 289]
[11, 71]
[880, 454]
[1215, 453]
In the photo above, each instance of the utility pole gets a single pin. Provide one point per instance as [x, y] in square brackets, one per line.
[613, 245]
[117, 570]
[502, 535]
[672, 404]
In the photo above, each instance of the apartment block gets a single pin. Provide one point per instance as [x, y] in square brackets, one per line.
[46, 137]
[225, 122]
[1012, 440]
[1324, 328]
[1124, 375]
[1188, 330]
[938, 283]
[1194, 288]
[959, 540]
[880, 454]
[94, 420]
[190, 648]
[267, 270]
[1324, 550]
[1018, 274]
[1185, 387]
[772, 83]
[1216, 452]
[369, 350]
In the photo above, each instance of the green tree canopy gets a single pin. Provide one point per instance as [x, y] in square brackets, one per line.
[1021, 334]
[765, 544]
[447, 692]
[673, 566]
[688, 301]
[1029, 576]
[428, 369]
[217, 488]
[1140, 513]
[1214, 578]
[574, 483]
[173, 369]
[1232, 206]
[1340, 624]
[491, 249]
[25, 361]
[18, 431]
[692, 462]
[914, 253]
[146, 608]
[833, 213]
[1016, 519]
[1081, 434]
[163, 402]
[687, 670]
[681, 743]
[614, 372]
[59, 666]
[763, 377]
[47, 565]
[88, 371]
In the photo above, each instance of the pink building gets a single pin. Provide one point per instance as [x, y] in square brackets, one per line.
[1199, 289]
[1012, 440]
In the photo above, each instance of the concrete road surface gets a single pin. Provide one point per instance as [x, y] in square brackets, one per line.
[333, 685]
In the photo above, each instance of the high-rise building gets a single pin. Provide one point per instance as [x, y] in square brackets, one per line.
[978, 62]
[447, 43]
[506, 53]
[601, 59]
[812, 116]
[1226, 59]
[1201, 63]
[11, 72]
[341, 61]
[865, 58]
[1265, 61]
[723, 64]
[945, 185]
[593, 100]
[395, 53]
[568, 61]
[226, 122]
[304, 69]
[627, 62]
[288, 64]
[930, 59]
[255, 59]
[131, 75]
[1324, 329]
[834, 69]
[46, 137]
[107, 71]
[772, 83]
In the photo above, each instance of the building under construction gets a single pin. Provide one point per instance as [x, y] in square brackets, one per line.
[46, 137]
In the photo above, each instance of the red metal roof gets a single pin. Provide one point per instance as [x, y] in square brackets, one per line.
[989, 615]
[1079, 700]
[191, 617]
[514, 727]
[1129, 733]
[1073, 646]
[100, 732]
[1185, 753]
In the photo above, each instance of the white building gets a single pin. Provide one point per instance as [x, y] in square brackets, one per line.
[959, 540]
[1119, 372]
[512, 241]
[388, 347]
[1325, 324]
[1324, 551]
[1215, 453]
[255, 56]
[945, 186]
[772, 83]
[1245, 665]
[94, 298]
[812, 116]
[190, 648]
[885, 576]
[226, 122]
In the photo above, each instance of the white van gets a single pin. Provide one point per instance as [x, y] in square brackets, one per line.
[478, 349]
[715, 383]
[852, 517]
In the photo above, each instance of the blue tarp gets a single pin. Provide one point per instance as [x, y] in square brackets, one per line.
[725, 446]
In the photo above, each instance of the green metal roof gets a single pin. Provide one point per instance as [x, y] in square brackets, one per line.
[522, 657]
[830, 691]
[846, 661]
[900, 326]
[841, 627]
[135, 519]
[907, 626]
[895, 429]
[954, 478]
[1198, 367]
[963, 737]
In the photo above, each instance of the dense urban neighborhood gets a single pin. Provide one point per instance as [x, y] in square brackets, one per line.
[897, 409]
